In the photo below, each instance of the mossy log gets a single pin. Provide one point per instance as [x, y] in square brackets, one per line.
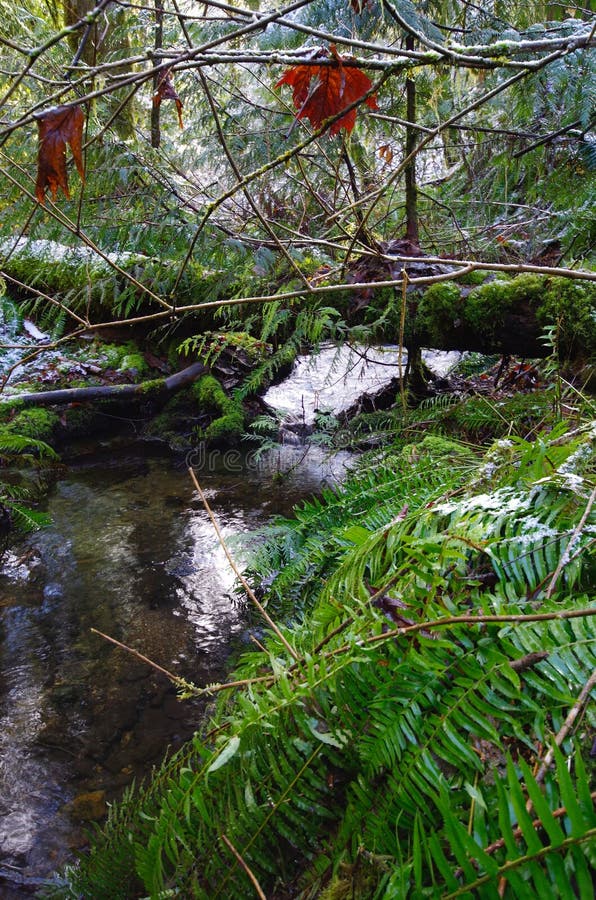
[509, 316]
[157, 389]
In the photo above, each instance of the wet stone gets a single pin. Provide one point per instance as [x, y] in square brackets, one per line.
[88, 807]
[53, 591]
[19, 834]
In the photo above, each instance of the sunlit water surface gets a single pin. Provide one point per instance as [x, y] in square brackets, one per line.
[130, 552]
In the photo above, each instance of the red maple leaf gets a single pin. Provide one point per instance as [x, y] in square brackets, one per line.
[320, 92]
[58, 127]
[166, 91]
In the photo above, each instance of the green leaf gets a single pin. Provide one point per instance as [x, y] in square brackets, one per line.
[541, 807]
[325, 736]
[226, 754]
[356, 534]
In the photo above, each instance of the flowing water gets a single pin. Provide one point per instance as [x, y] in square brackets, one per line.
[336, 377]
[130, 552]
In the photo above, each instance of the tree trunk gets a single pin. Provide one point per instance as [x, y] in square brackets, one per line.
[412, 233]
[108, 38]
[155, 107]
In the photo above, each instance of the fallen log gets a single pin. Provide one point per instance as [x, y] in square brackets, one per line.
[159, 388]
[476, 310]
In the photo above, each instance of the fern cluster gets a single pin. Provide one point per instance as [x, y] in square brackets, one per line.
[395, 754]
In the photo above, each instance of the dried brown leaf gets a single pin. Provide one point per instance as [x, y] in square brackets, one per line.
[166, 91]
[320, 92]
[58, 127]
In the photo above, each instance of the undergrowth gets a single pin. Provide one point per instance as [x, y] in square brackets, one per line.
[426, 734]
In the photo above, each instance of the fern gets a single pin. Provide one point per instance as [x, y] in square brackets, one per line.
[355, 754]
[549, 854]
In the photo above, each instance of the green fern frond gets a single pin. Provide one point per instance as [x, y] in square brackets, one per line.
[377, 735]
[544, 853]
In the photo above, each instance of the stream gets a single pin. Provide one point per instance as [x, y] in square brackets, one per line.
[132, 553]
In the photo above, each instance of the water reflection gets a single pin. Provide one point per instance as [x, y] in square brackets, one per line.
[131, 552]
[334, 378]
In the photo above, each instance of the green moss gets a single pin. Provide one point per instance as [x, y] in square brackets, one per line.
[111, 355]
[557, 301]
[571, 305]
[226, 428]
[527, 288]
[437, 447]
[8, 408]
[150, 387]
[439, 306]
[133, 362]
[474, 278]
[35, 423]
[210, 396]
[486, 306]
[209, 393]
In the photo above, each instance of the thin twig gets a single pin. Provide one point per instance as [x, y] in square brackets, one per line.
[480, 620]
[244, 865]
[565, 558]
[230, 685]
[407, 630]
[237, 571]
[575, 711]
[174, 678]
[529, 660]
[518, 833]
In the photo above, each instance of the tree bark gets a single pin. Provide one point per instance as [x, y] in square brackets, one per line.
[155, 107]
[412, 232]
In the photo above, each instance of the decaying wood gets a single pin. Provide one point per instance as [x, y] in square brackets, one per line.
[156, 389]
